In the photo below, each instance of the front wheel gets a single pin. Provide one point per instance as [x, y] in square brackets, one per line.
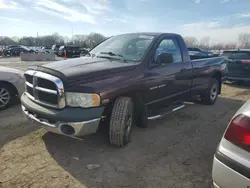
[5, 96]
[121, 122]
[210, 95]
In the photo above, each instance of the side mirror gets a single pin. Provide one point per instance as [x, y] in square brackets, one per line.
[164, 58]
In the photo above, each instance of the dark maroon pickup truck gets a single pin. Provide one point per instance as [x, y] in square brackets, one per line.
[127, 79]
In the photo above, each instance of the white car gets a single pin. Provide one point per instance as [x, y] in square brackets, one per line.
[231, 166]
[11, 85]
[47, 50]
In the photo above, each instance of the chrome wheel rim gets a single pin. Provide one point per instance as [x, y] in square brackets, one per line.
[213, 92]
[4, 97]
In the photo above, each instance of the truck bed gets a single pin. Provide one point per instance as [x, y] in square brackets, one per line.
[207, 65]
[211, 61]
[193, 57]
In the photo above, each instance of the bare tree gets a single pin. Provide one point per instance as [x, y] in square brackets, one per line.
[94, 39]
[204, 42]
[6, 41]
[80, 40]
[27, 41]
[217, 46]
[15, 38]
[230, 46]
[244, 40]
[87, 41]
[57, 38]
[66, 39]
[191, 41]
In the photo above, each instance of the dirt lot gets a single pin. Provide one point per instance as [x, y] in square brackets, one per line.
[15, 62]
[174, 152]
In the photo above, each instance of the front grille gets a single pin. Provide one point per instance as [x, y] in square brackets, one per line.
[50, 98]
[29, 90]
[44, 89]
[46, 84]
[29, 78]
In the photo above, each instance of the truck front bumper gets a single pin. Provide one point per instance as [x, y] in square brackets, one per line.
[68, 121]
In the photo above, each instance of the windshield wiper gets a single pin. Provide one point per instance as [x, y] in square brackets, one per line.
[114, 54]
[111, 53]
[91, 55]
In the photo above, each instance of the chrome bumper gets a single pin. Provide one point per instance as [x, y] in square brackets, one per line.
[80, 128]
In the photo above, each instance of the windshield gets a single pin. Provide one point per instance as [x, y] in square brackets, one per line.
[195, 53]
[132, 47]
[26, 48]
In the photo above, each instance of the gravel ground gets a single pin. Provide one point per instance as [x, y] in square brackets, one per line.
[174, 152]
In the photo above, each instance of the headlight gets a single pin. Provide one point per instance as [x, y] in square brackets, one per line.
[84, 100]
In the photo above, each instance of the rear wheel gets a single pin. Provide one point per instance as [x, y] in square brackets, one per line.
[121, 121]
[210, 95]
[6, 94]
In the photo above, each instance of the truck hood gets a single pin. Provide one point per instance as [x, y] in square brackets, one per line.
[86, 69]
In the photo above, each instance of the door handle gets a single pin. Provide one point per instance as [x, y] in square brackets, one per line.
[183, 70]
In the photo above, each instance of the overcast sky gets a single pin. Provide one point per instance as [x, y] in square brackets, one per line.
[222, 20]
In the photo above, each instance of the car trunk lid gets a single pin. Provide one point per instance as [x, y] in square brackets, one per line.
[239, 63]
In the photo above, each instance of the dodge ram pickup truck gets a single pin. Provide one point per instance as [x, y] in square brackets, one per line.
[126, 80]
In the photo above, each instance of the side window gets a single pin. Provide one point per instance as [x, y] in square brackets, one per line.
[170, 46]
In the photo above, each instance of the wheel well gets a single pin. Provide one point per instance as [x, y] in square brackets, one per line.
[137, 100]
[217, 76]
[138, 106]
[138, 103]
[11, 86]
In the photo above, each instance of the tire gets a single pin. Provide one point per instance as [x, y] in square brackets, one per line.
[121, 121]
[210, 95]
[6, 95]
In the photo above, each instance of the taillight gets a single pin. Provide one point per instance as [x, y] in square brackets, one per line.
[238, 131]
[246, 61]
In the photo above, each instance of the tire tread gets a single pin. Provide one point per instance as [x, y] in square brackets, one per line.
[117, 121]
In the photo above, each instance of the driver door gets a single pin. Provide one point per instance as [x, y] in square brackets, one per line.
[168, 82]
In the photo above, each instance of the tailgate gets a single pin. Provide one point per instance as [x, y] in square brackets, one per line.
[238, 64]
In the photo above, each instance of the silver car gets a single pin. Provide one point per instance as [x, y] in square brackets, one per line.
[231, 166]
[11, 85]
